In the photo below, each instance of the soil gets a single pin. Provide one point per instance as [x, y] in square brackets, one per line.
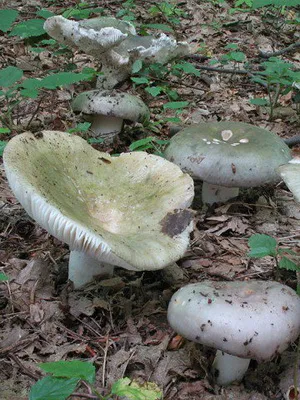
[120, 324]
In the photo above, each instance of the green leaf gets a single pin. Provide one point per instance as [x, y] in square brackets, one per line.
[62, 79]
[29, 28]
[288, 264]
[259, 101]
[70, 369]
[50, 388]
[140, 81]
[134, 391]
[153, 90]
[4, 131]
[45, 13]
[3, 277]
[287, 3]
[175, 105]
[238, 56]
[81, 127]
[188, 68]
[30, 93]
[142, 142]
[231, 46]
[262, 245]
[161, 27]
[10, 75]
[137, 66]
[7, 18]
[95, 140]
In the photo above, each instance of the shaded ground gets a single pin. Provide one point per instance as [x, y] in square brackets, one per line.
[120, 324]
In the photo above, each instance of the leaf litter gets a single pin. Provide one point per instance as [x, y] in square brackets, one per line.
[120, 324]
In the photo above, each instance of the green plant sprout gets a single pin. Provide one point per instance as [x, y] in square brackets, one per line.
[155, 78]
[278, 77]
[67, 376]
[127, 11]
[14, 92]
[3, 277]
[150, 143]
[262, 245]
[171, 13]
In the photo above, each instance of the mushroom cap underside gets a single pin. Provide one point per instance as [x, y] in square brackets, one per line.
[232, 154]
[255, 319]
[127, 210]
[290, 173]
[111, 103]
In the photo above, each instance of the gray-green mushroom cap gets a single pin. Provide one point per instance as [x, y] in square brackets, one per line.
[229, 154]
[109, 109]
[112, 104]
[255, 319]
[128, 211]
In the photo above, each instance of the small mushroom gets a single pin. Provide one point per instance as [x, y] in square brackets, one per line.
[242, 320]
[290, 173]
[227, 156]
[129, 211]
[115, 44]
[109, 109]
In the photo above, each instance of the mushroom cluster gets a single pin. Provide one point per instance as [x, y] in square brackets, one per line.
[115, 44]
[227, 156]
[242, 320]
[128, 211]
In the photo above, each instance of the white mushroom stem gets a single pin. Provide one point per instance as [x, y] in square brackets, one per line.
[83, 268]
[229, 368]
[217, 194]
[106, 127]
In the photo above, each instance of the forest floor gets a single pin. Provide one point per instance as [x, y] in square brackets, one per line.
[120, 324]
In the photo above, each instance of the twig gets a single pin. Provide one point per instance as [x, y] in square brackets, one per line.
[84, 396]
[224, 70]
[287, 49]
[35, 111]
[23, 368]
[105, 360]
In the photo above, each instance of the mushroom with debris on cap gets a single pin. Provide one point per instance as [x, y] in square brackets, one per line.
[115, 44]
[227, 156]
[242, 320]
[129, 211]
[109, 109]
[290, 173]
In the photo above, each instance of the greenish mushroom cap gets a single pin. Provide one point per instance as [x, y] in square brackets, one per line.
[231, 154]
[127, 210]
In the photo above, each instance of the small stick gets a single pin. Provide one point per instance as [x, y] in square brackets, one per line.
[287, 49]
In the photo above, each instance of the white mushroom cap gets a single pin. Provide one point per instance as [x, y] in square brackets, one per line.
[127, 210]
[255, 319]
[91, 36]
[290, 173]
[112, 104]
[231, 154]
[115, 44]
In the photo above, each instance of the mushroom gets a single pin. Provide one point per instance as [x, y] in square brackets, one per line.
[109, 109]
[116, 45]
[227, 156]
[290, 173]
[242, 320]
[129, 211]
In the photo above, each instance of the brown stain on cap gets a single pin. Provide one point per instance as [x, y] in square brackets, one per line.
[176, 222]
